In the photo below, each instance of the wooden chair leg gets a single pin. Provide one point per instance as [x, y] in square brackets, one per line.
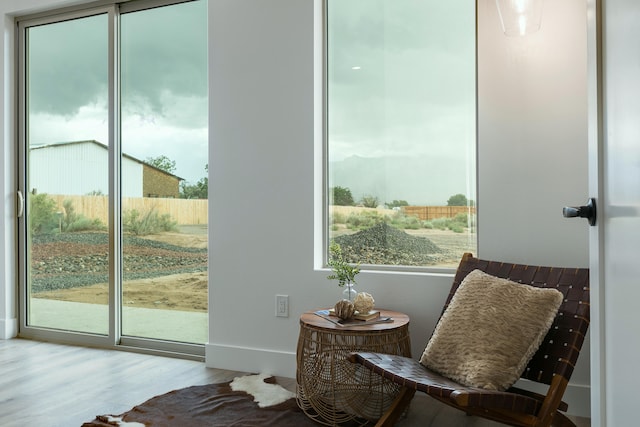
[397, 408]
[561, 420]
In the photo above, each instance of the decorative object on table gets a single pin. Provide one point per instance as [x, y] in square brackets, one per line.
[364, 302]
[344, 309]
[343, 272]
[367, 315]
[357, 320]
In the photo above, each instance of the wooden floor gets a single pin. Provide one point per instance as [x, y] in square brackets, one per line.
[51, 385]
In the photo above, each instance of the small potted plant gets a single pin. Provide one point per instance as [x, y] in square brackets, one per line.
[343, 272]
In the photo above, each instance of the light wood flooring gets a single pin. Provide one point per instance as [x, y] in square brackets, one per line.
[53, 385]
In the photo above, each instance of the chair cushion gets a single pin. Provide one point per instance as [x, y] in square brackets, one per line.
[490, 330]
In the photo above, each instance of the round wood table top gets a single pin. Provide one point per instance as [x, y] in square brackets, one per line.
[397, 320]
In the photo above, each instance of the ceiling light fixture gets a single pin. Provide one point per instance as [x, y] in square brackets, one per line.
[519, 17]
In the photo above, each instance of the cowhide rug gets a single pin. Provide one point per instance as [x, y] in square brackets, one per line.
[219, 405]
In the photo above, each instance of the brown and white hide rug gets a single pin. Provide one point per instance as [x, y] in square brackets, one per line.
[249, 401]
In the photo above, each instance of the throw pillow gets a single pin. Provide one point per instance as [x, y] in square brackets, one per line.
[490, 330]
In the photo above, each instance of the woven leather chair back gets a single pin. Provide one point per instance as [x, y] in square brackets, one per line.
[561, 346]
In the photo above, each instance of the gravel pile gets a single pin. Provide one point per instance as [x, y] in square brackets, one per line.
[384, 244]
[68, 260]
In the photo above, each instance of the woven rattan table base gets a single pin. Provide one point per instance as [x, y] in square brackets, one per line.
[334, 391]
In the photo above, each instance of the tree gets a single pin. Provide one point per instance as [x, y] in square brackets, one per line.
[200, 190]
[457, 200]
[341, 196]
[162, 162]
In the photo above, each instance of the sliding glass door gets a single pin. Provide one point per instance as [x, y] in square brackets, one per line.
[114, 148]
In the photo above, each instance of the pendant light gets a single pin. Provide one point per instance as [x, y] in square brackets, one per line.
[519, 17]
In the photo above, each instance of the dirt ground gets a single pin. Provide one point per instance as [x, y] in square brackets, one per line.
[188, 292]
[184, 292]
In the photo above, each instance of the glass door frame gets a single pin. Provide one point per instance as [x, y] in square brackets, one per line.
[114, 339]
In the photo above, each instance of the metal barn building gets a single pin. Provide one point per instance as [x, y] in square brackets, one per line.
[82, 168]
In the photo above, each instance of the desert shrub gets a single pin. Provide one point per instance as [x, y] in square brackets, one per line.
[440, 223]
[43, 216]
[412, 223]
[72, 221]
[461, 218]
[370, 201]
[456, 224]
[456, 228]
[149, 223]
[402, 221]
[84, 224]
[465, 221]
[337, 218]
[364, 219]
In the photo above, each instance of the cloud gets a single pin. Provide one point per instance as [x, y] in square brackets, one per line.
[164, 94]
[412, 92]
[163, 57]
[67, 65]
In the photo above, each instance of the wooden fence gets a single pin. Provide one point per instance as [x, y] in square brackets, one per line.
[426, 213]
[195, 211]
[183, 211]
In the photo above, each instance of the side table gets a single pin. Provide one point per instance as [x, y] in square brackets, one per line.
[330, 389]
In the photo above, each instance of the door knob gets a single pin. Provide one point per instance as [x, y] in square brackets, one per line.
[588, 211]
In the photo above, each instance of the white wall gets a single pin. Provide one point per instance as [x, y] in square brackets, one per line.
[532, 150]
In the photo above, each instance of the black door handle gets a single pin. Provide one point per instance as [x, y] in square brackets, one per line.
[588, 211]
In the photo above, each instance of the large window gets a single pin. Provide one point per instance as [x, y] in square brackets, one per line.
[401, 127]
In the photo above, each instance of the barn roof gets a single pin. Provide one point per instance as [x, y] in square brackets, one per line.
[100, 144]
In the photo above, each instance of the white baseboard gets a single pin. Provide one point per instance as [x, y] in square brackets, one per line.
[578, 396]
[254, 360]
[8, 328]
[280, 363]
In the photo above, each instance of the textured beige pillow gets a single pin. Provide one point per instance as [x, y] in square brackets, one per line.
[490, 330]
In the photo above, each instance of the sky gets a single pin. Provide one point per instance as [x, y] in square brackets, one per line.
[402, 88]
[163, 81]
[401, 92]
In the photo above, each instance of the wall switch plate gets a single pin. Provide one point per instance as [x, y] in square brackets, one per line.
[282, 305]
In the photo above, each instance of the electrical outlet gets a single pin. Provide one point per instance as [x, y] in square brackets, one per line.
[282, 305]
